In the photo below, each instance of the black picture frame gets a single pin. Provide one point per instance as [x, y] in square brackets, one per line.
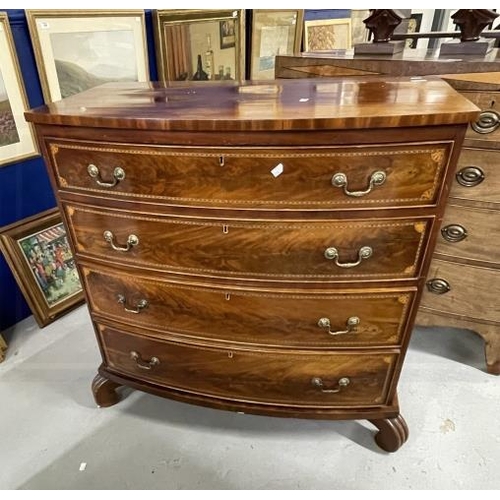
[227, 29]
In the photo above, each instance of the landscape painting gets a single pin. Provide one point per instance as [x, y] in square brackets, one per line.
[17, 141]
[85, 60]
[76, 50]
[8, 129]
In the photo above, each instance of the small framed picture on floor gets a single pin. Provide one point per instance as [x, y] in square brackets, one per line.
[39, 256]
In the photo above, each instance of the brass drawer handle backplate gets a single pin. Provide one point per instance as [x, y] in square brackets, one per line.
[118, 175]
[376, 179]
[351, 324]
[488, 122]
[132, 241]
[454, 233]
[332, 253]
[438, 286]
[138, 308]
[144, 365]
[318, 382]
[470, 176]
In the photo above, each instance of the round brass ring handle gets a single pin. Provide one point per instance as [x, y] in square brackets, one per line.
[376, 179]
[454, 233]
[318, 382]
[470, 176]
[138, 308]
[332, 253]
[118, 175]
[488, 122]
[351, 324]
[132, 241]
[144, 365]
[438, 286]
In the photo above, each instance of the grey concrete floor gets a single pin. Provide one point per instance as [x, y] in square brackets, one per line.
[49, 427]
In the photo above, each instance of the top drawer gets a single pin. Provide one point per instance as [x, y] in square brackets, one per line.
[248, 178]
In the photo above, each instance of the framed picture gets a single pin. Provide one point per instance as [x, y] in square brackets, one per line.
[200, 45]
[39, 256]
[3, 348]
[79, 49]
[327, 34]
[414, 24]
[17, 141]
[359, 31]
[274, 32]
[227, 36]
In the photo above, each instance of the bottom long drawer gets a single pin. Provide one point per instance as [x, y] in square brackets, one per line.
[297, 378]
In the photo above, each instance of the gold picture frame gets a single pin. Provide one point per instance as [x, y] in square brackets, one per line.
[79, 49]
[327, 34]
[274, 32]
[39, 256]
[200, 45]
[17, 139]
[3, 348]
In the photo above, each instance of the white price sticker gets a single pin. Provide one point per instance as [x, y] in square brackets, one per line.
[277, 170]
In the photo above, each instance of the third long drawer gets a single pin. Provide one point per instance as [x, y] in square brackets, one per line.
[284, 317]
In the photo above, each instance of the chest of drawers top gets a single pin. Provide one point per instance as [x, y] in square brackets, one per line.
[308, 104]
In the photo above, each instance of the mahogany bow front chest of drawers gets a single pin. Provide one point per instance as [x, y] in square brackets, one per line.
[256, 247]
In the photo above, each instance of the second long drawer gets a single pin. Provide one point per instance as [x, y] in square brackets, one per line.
[305, 318]
[325, 250]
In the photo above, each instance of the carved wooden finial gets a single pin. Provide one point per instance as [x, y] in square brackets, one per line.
[472, 22]
[382, 23]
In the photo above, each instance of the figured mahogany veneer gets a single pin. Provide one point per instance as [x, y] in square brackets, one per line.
[257, 248]
[247, 178]
[264, 377]
[231, 314]
[253, 249]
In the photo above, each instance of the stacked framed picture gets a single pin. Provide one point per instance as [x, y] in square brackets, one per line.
[274, 32]
[327, 30]
[39, 256]
[79, 49]
[17, 141]
[200, 45]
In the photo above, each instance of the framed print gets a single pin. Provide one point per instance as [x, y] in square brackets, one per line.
[3, 348]
[414, 24]
[327, 34]
[274, 32]
[17, 141]
[359, 31]
[200, 45]
[39, 256]
[79, 49]
[227, 36]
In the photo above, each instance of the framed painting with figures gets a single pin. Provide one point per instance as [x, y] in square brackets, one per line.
[40, 258]
[79, 49]
[17, 140]
[200, 45]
